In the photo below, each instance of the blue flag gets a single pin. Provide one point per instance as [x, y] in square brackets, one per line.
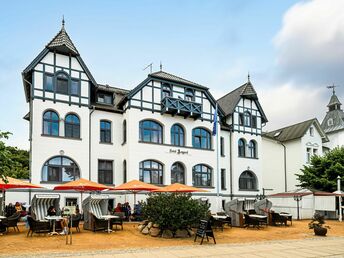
[215, 122]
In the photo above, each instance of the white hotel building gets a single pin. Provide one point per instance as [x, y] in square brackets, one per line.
[159, 132]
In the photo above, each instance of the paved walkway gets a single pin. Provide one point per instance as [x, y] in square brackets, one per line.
[317, 247]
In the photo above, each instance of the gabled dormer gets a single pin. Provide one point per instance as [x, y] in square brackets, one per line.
[59, 74]
[242, 109]
[334, 119]
[169, 94]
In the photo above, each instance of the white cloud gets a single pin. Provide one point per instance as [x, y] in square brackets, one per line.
[288, 104]
[310, 43]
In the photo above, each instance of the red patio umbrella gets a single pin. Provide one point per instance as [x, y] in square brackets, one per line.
[180, 188]
[82, 185]
[136, 186]
[13, 183]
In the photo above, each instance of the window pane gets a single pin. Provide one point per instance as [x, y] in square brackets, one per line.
[49, 86]
[74, 88]
[62, 86]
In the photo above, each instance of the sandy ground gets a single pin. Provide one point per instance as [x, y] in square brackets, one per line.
[15, 243]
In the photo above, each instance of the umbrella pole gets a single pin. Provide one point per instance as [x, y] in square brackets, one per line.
[3, 202]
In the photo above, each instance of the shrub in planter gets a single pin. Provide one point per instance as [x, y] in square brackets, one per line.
[317, 224]
[173, 211]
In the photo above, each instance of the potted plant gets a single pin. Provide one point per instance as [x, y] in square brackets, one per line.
[318, 225]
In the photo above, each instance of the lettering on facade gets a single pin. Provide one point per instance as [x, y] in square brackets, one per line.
[178, 151]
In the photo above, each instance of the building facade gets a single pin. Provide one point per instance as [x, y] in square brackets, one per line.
[159, 132]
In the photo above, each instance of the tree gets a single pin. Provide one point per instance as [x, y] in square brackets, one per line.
[323, 171]
[14, 162]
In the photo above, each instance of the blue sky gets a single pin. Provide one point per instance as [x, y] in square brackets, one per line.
[214, 43]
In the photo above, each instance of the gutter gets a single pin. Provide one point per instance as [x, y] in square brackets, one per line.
[231, 164]
[285, 166]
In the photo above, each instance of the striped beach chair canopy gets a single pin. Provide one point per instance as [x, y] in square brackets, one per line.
[41, 202]
[96, 204]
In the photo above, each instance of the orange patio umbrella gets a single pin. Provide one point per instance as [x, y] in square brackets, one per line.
[82, 185]
[13, 183]
[136, 186]
[180, 188]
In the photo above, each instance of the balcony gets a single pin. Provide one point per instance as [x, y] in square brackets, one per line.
[181, 107]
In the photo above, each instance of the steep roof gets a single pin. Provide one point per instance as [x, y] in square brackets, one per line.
[62, 43]
[337, 117]
[229, 101]
[295, 131]
[334, 100]
[170, 77]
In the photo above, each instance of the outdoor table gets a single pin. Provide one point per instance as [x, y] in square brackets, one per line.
[2, 217]
[108, 218]
[223, 217]
[53, 219]
[289, 217]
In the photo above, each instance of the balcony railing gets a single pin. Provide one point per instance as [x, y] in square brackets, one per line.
[181, 107]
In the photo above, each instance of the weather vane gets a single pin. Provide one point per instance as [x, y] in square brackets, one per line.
[332, 87]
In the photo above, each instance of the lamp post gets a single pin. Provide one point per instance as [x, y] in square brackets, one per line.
[298, 198]
[339, 199]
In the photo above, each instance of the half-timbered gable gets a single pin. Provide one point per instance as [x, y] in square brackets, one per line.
[59, 74]
[243, 110]
[168, 94]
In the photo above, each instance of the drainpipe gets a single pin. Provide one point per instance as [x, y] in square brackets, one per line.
[231, 163]
[285, 167]
[30, 138]
[89, 144]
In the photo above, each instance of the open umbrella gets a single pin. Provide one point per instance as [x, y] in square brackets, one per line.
[82, 185]
[180, 188]
[13, 183]
[136, 186]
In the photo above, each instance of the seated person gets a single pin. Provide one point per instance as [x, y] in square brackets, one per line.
[18, 207]
[118, 208]
[51, 211]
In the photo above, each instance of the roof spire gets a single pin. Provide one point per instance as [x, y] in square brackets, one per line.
[160, 66]
[248, 77]
[63, 22]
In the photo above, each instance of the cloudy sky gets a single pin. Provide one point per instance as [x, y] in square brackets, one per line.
[292, 49]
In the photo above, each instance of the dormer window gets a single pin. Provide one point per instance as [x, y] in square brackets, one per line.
[62, 83]
[166, 90]
[330, 122]
[105, 98]
[189, 95]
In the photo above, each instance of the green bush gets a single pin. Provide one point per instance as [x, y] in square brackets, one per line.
[174, 210]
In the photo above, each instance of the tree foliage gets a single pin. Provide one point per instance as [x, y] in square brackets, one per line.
[14, 162]
[173, 210]
[323, 171]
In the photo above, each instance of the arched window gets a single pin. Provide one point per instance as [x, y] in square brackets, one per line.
[60, 169]
[150, 131]
[124, 131]
[202, 175]
[105, 131]
[252, 149]
[177, 173]
[124, 171]
[166, 90]
[247, 118]
[189, 95]
[151, 172]
[51, 123]
[248, 181]
[241, 147]
[177, 135]
[62, 83]
[72, 126]
[201, 138]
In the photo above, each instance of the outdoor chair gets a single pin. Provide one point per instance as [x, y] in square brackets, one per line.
[39, 227]
[98, 224]
[289, 217]
[118, 221]
[249, 221]
[216, 223]
[12, 221]
[75, 222]
[277, 219]
[3, 228]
